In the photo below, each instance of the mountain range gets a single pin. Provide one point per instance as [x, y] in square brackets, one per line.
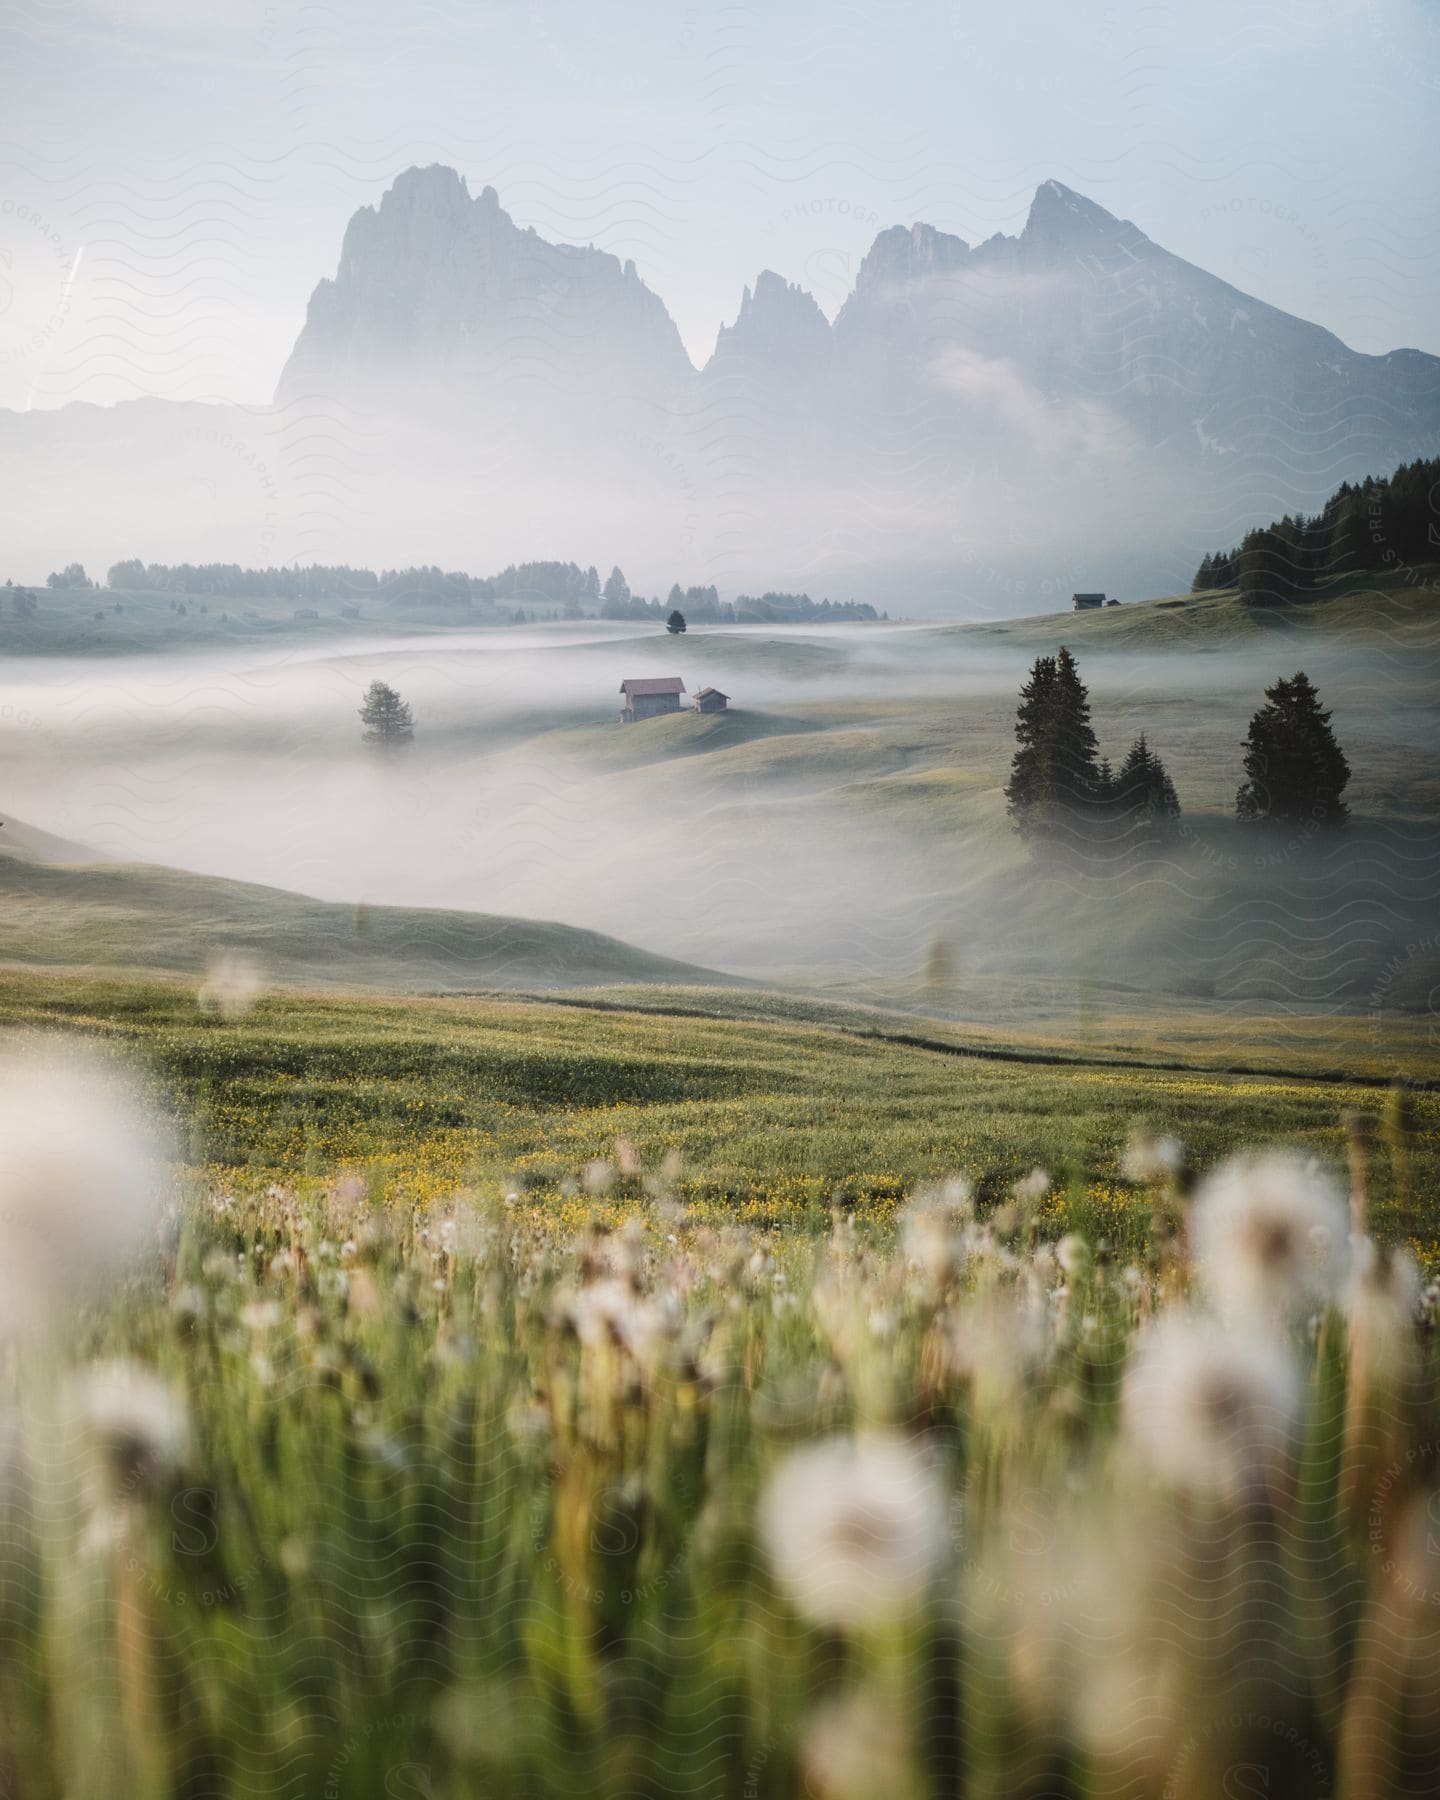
[992, 423]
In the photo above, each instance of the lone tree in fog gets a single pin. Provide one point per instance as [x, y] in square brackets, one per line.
[675, 624]
[1295, 772]
[387, 719]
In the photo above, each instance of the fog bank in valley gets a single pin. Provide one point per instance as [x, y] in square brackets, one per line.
[842, 825]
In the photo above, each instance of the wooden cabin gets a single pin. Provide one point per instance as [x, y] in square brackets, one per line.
[1086, 602]
[650, 696]
[711, 700]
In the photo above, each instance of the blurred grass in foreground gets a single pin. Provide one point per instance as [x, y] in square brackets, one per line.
[522, 1400]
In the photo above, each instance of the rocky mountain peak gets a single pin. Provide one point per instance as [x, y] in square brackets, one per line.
[433, 277]
[779, 322]
[435, 188]
[1063, 224]
[909, 253]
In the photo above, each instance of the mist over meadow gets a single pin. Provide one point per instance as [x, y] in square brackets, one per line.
[844, 824]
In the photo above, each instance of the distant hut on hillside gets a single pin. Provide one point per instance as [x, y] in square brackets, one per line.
[1086, 602]
[711, 700]
[650, 696]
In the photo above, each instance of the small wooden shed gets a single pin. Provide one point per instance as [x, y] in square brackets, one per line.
[710, 699]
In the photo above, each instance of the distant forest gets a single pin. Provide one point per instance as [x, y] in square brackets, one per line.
[577, 591]
[1384, 522]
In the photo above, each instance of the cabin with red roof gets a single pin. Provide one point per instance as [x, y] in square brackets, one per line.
[650, 696]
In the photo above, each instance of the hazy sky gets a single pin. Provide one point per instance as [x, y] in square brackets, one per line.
[177, 174]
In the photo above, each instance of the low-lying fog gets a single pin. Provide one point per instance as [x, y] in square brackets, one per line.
[852, 819]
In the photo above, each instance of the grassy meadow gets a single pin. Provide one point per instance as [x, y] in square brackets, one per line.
[721, 1275]
[521, 1398]
[770, 1120]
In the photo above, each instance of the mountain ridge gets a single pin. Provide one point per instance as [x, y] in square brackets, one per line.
[1068, 405]
[1060, 220]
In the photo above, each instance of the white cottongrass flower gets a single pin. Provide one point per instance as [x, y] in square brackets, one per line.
[997, 1343]
[855, 1528]
[1208, 1409]
[1151, 1157]
[933, 1226]
[855, 1748]
[80, 1176]
[599, 1176]
[136, 1429]
[1073, 1254]
[261, 1316]
[1271, 1236]
[232, 985]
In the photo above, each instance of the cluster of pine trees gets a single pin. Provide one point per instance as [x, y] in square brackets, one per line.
[1385, 522]
[1062, 792]
[71, 576]
[1060, 787]
[567, 585]
[704, 606]
[553, 582]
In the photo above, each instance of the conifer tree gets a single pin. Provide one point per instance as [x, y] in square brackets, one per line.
[1143, 794]
[1295, 771]
[1075, 751]
[387, 719]
[1265, 573]
[1029, 788]
[1055, 776]
[616, 595]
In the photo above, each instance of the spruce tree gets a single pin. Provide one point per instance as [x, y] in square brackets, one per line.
[675, 624]
[1056, 780]
[616, 595]
[1029, 789]
[1143, 794]
[387, 719]
[1265, 567]
[1295, 771]
[1075, 770]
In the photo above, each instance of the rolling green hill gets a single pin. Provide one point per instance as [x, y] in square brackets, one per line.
[1380, 611]
[682, 734]
[64, 914]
